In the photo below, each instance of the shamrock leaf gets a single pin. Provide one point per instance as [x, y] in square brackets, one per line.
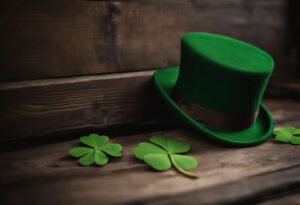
[97, 151]
[288, 134]
[162, 153]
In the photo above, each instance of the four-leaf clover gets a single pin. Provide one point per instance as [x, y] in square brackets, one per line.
[163, 152]
[288, 134]
[97, 151]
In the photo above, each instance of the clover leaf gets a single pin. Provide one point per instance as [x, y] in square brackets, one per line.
[162, 153]
[97, 151]
[288, 134]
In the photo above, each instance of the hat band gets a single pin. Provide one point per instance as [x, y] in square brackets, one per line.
[212, 118]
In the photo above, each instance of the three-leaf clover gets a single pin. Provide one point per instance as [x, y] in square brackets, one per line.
[97, 151]
[288, 134]
[164, 152]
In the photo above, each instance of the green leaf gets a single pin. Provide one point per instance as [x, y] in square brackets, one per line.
[283, 138]
[296, 132]
[87, 159]
[288, 134]
[94, 140]
[161, 141]
[185, 162]
[171, 145]
[176, 146]
[160, 162]
[79, 151]
[144, 148]
[112, 149]
[285, 130]
[97, 152]
[295, 140]
[160, 155]
[100, 158]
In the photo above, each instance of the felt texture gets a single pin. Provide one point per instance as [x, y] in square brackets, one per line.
[223, 74]
[165, 81]
[163, 153]
[97, 150]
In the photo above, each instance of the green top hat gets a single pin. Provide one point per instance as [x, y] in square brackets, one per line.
[218, 88]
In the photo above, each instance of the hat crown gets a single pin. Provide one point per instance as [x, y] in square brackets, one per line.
[222, 74]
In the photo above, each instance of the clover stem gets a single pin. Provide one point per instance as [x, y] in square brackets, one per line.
[189, 174]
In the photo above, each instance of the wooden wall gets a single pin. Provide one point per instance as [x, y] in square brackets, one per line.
[73, 64]
[45, 39]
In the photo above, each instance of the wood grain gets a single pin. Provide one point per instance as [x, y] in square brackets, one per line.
[292, 198]
[251, 190]
[47, 174]
[49, 107]
[46, 39]
[45, 107]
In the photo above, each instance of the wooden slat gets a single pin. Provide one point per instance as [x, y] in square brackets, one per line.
[287, 88]
[48, 175]
[250, 190]
[45, 107]
[292, 198]
[45, 39]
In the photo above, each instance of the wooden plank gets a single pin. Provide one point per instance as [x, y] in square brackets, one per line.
[250, 190]
[284, 112]
[294, 27]
[45, 107]
[90, 102]
[292, 198]
[47, 174]
[287, 88]
[46, 39]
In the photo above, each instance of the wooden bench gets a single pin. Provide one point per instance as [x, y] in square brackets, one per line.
[70, 67]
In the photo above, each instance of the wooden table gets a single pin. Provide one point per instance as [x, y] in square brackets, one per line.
[266, 174]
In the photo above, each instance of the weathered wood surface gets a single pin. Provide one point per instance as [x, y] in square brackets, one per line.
[52, 106]
[45, 39]
[251, 190]
[45, 107]
[287, 88]
[292, 198]
[48, 175]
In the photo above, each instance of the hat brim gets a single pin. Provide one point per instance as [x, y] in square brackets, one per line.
[164, 82]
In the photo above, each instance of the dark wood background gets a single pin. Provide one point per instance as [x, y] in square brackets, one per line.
[76, 64]
[47, 39]
[70, 67]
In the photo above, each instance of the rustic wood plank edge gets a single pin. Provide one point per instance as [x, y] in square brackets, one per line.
[11, 145]
[290, 197]
[247, 191]
[70, 80]
[46, 107]
[288, 90]
[52, 107]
